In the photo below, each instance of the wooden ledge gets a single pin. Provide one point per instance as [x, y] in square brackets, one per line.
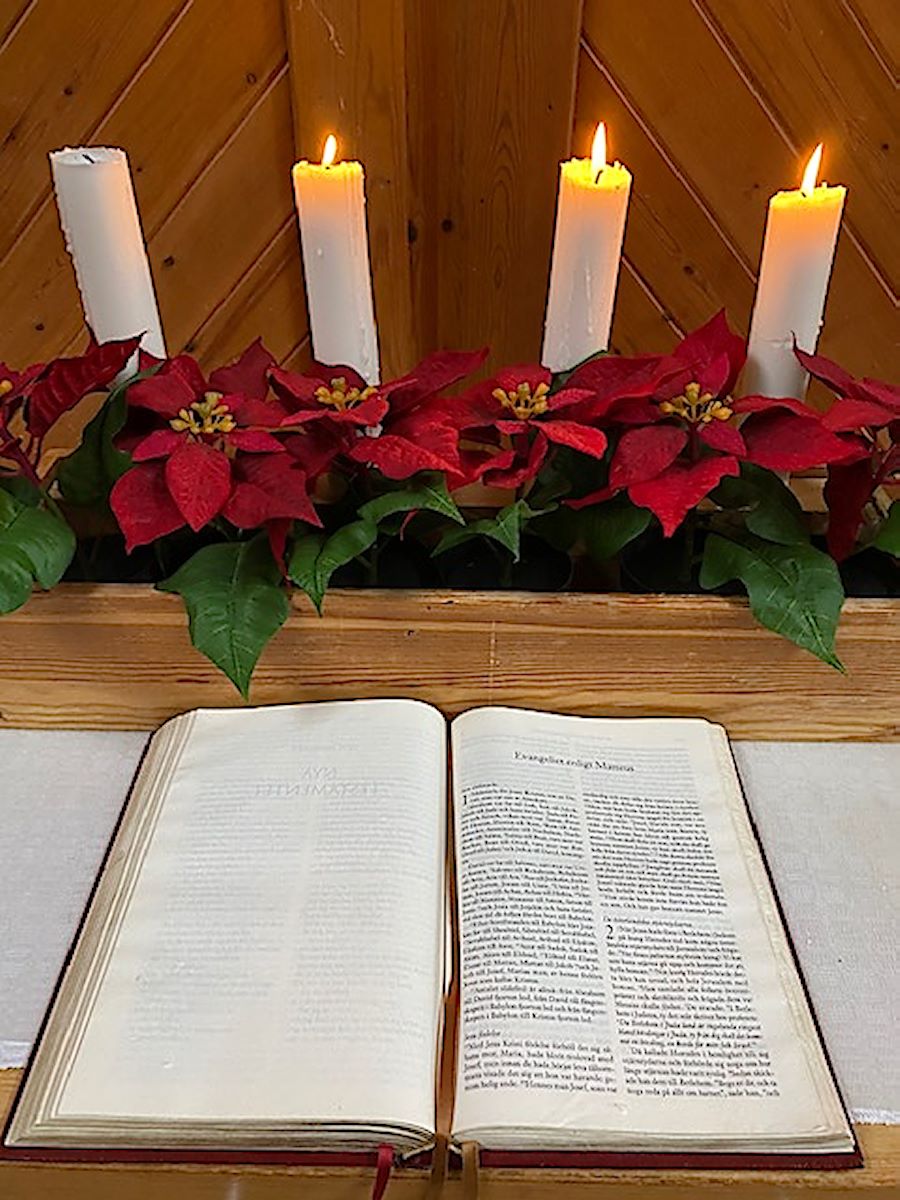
[117, 656]
[110, 1181]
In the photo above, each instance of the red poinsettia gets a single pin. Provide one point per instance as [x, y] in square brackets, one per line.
[867, 411]
[514, 417]
[680, 439]
[400, 427]
[43, 392]
[208, 454]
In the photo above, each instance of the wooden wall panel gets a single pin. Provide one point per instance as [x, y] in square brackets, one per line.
[204, 112]
[499, 84]
[461, 111]
[349, 71]
[719, 103]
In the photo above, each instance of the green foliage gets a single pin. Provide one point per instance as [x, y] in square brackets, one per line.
[771, 510]
[608, 528]
[235, 602]
[505, 528]
[429, 492]
[794, 590]
[888, 536]
[315, 557]
[88, 474]
[36, 545]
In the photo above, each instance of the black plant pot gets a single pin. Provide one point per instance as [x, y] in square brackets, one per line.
[653, 564]
[871, 573]
[479, 566]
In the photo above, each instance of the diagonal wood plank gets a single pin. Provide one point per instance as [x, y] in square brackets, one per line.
[268, 301]
[671, 238]
[881, 23]
[223, 224]
[87, 53]
[175, 98]
[640, 323]
[669, 63]
[812, 69]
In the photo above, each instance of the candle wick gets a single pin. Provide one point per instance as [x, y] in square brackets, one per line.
[599, 173]
[88, 157]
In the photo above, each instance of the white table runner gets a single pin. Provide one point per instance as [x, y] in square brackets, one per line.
[828, 816]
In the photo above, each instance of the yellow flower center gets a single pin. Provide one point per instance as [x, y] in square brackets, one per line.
[340, 396]
[523, 403]
[5, 386]
[696, 407]
[206, 416]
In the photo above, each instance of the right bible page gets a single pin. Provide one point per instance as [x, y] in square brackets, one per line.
[625, 978]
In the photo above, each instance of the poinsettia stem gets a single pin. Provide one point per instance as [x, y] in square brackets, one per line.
[687, 558]
[12, 450]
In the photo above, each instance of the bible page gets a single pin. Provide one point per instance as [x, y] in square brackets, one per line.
[625, 979]
[278, 954]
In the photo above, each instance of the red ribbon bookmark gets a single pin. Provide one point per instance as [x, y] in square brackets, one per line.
[383, 1170]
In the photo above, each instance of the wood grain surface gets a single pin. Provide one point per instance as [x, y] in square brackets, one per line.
[349, 77]
[118, 656]
[460, 112]
[880, 1145]
[715, 105]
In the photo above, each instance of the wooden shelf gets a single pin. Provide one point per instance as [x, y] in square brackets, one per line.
[118, 657]
[18, 1181]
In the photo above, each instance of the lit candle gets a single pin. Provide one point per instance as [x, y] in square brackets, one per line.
[587, 247]
[331, 208]
[102, 228]
[798, 251]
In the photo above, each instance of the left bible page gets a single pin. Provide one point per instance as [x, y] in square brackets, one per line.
[262, 962]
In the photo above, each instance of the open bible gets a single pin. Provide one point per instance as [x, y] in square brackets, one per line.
[279, 933]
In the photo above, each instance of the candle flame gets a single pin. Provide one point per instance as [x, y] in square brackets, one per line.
[598, 150]
[811, 174]
[329, 150]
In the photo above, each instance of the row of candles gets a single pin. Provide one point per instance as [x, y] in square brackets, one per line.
[103, 234]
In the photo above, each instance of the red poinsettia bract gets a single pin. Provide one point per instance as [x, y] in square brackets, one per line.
[399, 427]
[678, 441]
[515, 419]
[43, 392]
[209, 453]
[867, 411]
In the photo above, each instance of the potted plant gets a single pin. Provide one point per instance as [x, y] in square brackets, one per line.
[643, 474]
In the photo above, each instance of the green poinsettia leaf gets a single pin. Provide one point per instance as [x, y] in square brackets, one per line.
[22, 489]
[607, 528]
[561, 528]
[793, 590]
[342, 547]
[505, 528]
[315, 557]
[235, 604]
[429, 492]
[88, 474]
[86, 477]
[773, 511]
[36, 546]
[888, 536]
[302, 566]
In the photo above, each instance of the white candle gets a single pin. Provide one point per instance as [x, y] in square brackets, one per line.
[100, 222]
[331, 208]
[798, 252]
[587, 247]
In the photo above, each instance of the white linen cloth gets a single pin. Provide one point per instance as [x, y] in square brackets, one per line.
[828, 816]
